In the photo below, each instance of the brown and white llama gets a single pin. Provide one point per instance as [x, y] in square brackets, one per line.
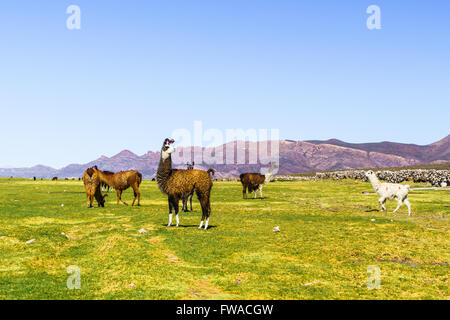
[121, 181]
[179, 183]
[255, 181]
[92, 186]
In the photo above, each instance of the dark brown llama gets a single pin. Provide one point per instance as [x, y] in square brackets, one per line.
[254, 181]
[121, 181]
[92, 186]
[179, 183]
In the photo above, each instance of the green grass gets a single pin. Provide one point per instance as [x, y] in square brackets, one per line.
[326, 243]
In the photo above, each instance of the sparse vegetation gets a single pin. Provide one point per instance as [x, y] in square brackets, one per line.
[325, 245]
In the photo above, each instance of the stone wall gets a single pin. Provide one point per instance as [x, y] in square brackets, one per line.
[437, 178]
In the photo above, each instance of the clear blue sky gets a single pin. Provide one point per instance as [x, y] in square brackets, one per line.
[138, 70]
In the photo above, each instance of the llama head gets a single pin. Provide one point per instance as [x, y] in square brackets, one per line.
[167, 148]
[102, 201]
[369, 173]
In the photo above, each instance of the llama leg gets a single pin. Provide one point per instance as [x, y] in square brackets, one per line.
[202, 203]
[137, 194]
[382, 202]
[406, 201]
[190, 200]
[244, 193]
[88, 198]
[91, 200]
[399, 204]
[134, 199]
[208, 207]
[170, 212]
[118, 196]
[260, 191]
[175, 205]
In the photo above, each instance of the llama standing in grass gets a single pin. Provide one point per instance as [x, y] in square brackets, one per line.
[179, 183]
[92, 186]
[255, 181]
[121, 181]
[389, 191]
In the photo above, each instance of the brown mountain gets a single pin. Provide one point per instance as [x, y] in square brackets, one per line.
[295, 157]
[434, 152]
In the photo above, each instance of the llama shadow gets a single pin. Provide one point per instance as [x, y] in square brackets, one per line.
[372, 210]
[59, 192]
[189, 226]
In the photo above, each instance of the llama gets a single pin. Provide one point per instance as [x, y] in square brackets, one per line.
[121, 181]
[255, 181]
[92, 186]
[54, 178]
[389, 191]
[178, 183]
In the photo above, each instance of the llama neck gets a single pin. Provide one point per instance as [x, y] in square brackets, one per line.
[106, 178]
[164, 172]
[374, 181]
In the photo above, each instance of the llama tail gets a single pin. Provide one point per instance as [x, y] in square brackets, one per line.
[407, 186]
[211, 171]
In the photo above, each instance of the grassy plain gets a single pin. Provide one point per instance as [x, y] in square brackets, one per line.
[326, 243]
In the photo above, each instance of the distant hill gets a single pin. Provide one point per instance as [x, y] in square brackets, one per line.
[438, 151]
[295, 157]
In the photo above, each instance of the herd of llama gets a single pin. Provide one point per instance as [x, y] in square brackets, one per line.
[175, 183]
[183, 184]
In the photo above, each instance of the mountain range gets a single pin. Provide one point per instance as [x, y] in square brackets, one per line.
[295, 157]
